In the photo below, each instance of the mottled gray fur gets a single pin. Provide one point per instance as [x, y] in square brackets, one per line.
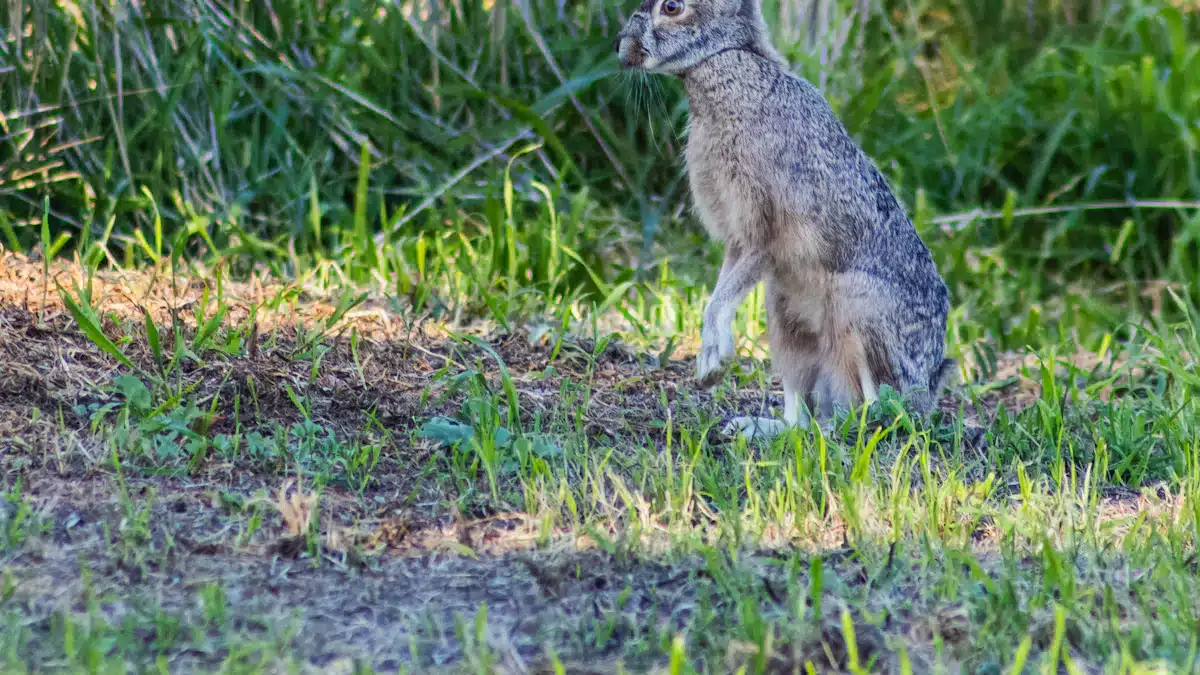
[854, 299]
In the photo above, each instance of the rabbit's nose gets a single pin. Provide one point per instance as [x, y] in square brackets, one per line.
[617, 45]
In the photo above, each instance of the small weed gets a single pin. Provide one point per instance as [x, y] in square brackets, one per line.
[17, 522]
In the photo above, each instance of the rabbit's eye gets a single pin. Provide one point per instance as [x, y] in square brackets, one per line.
[672, 8]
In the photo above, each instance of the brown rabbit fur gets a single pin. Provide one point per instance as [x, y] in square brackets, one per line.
[854, 300]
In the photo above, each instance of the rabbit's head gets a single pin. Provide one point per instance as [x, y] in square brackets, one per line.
[674, 36]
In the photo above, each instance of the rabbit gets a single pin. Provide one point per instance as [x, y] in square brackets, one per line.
[854, 300]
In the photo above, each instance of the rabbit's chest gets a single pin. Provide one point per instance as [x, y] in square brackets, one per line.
[724, 191]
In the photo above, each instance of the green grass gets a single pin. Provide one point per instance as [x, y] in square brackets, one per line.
[358, 339]
[1052, 504]
[354, 132]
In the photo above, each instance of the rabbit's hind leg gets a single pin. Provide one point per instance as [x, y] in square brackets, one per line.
[797, 408]
[796, 358]
[798, 398]
[850, 375]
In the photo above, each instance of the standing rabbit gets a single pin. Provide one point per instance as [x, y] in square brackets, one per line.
[854, 300]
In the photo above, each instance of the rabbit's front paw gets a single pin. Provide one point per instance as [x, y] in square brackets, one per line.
[714, 357]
